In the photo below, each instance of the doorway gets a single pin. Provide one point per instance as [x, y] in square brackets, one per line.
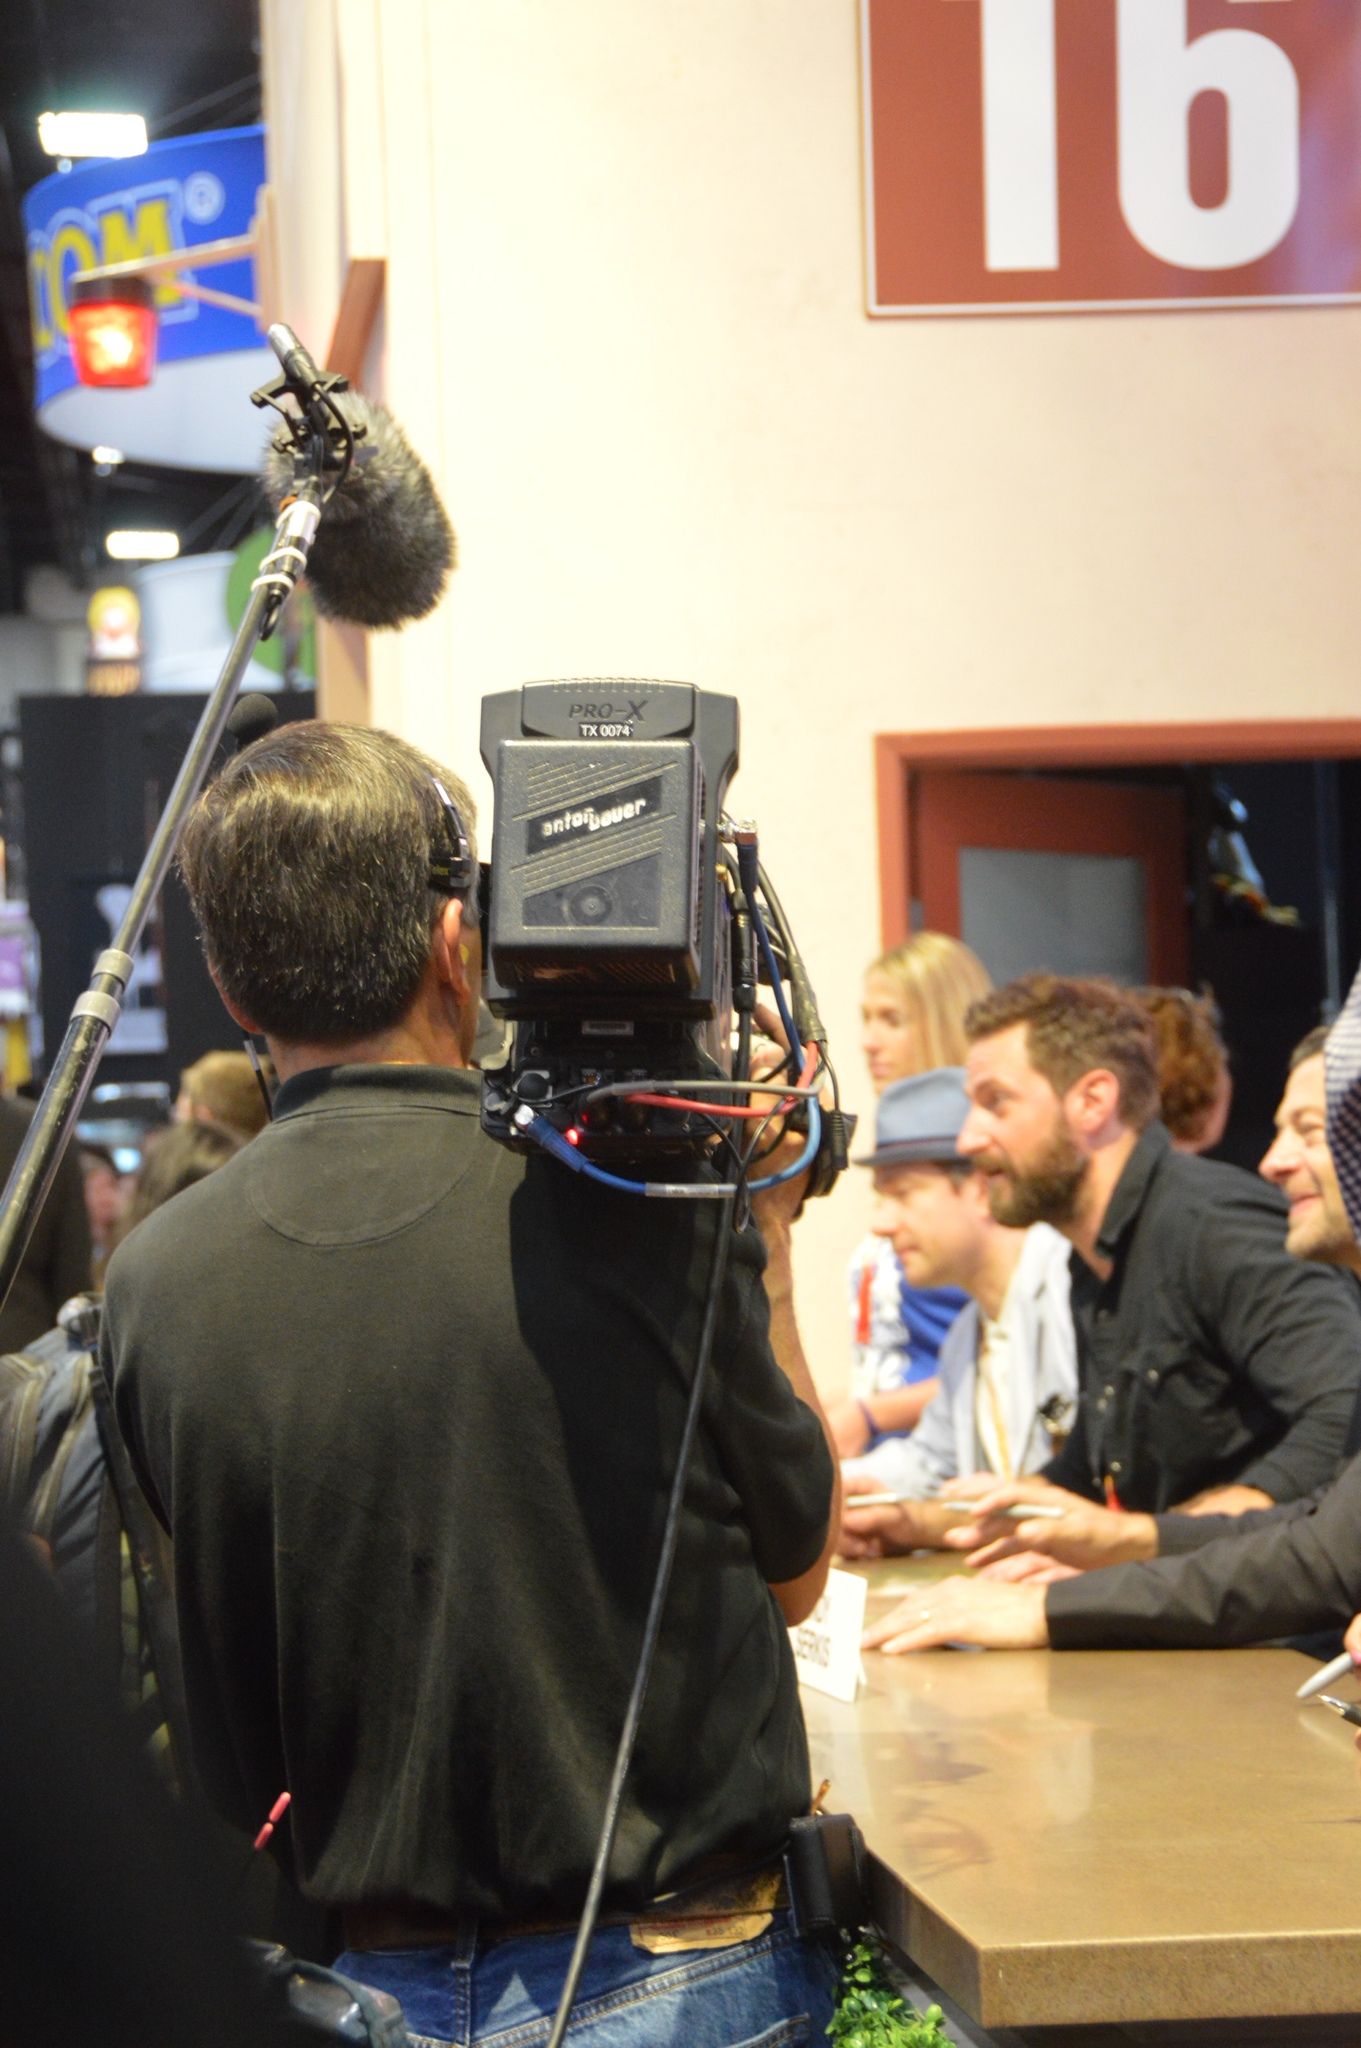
[1078, 875]
[1217, 857]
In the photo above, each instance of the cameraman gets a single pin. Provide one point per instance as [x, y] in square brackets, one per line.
[410, 1406]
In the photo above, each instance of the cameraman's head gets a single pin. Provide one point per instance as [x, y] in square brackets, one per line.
[318, 864]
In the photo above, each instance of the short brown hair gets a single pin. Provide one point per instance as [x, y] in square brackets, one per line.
[1192, 1058]
[223, 1085]
[1073, 1026]
[308, 864]
[1310, 1046]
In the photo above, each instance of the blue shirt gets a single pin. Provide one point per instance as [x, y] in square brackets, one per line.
[896, 1329]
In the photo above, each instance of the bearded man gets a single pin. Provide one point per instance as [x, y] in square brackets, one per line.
[1216, 1372]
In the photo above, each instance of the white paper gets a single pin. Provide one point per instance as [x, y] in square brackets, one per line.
[827, 1646]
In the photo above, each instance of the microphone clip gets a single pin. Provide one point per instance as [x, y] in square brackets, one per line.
[323, 443]
[321, 437]
[312, 421]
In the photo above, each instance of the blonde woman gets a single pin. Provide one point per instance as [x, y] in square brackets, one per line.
[913, 1017]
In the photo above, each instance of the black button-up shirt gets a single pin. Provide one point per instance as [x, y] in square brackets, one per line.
[1209, 1355]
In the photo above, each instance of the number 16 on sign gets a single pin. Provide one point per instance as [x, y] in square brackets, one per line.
[1092, 154]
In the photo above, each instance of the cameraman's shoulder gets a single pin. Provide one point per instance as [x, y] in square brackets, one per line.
[193, 1226]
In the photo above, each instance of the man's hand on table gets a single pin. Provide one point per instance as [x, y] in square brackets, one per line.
[896, 1527]
[1226, 1500]
[959, 1610]
[1028, 1567]
[1083, 1538]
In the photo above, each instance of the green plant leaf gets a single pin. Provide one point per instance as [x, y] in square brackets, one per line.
[870, 2013]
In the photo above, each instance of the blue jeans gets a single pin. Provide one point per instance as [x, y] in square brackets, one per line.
[773, 1992]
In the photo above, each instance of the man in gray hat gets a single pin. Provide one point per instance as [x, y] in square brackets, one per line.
[1008, 1365]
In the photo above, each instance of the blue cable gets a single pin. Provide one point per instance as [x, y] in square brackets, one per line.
[777, 986]
[553, 1142]
[806, 1157]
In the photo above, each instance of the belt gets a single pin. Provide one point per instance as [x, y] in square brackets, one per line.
[404, 1923]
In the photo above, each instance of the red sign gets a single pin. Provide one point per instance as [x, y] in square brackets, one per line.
[1090, 155]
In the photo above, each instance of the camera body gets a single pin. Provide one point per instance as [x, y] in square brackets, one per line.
[607, 940]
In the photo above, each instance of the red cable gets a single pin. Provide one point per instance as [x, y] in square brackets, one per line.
[716, 1109]
[707, 1108]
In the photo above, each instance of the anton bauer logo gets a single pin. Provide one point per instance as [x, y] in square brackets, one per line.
[590, 820]
[582, 820]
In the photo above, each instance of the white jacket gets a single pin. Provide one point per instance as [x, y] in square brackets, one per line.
[1043, 1376]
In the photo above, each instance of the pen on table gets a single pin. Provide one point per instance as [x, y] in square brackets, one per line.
[1347, 1708]
[1024, 1511]
[959, 1507]
[1341, 1667]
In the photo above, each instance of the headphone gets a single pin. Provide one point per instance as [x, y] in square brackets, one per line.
[455, 872]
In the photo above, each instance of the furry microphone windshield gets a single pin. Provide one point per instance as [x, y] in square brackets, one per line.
[384, 548]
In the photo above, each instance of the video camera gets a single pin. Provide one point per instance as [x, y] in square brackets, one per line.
[629, 923]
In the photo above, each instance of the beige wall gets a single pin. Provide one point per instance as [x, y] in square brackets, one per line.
[625, 325]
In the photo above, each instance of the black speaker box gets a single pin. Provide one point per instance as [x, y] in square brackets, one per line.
[96, 774]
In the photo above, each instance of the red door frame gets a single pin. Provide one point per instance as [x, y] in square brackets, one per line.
[1072, 746]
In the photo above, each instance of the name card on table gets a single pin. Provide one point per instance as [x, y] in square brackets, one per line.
[827, 1646]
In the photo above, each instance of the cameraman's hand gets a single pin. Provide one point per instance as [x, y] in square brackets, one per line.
[776, 1208]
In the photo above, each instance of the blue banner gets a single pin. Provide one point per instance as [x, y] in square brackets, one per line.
[191, 189]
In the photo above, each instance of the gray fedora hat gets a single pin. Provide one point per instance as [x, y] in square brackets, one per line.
[920, 1118]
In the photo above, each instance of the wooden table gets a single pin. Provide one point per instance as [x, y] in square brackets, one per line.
[1077, 1837]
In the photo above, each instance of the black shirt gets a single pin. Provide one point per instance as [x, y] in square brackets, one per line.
[410, 1406]
[57, 1262]
[1210, 1355]
[1283, 1571]
[1179, 1533]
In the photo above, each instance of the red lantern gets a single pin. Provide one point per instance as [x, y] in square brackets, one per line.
[111, 325]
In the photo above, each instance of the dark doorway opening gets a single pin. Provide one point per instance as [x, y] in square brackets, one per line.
[1237, 875]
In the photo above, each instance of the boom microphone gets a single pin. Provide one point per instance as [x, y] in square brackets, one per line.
[386, 552]
[384, 548]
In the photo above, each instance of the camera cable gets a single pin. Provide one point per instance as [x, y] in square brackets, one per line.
[652, 1630]
[561, 1147]
[810, 1070]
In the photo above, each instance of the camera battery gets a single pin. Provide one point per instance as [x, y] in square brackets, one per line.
[596, 853]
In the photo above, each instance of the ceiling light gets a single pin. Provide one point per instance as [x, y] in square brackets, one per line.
[109, 458]
[92, 134]
[111, 327]
[129, 546]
